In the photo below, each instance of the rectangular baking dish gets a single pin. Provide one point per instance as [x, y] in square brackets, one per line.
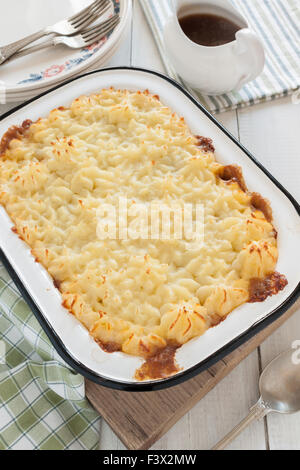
[68, 336]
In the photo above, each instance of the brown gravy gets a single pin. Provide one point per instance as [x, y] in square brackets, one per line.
[233, 173]
[159, 366]
[14, 132]
[261, 289]
[110, 347]
[208, 30]
[261, 204]
[205, 143]
[57, 283]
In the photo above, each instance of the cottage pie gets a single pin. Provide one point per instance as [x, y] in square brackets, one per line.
[137, 296]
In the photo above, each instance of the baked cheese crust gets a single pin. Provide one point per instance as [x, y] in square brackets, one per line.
[133, 295]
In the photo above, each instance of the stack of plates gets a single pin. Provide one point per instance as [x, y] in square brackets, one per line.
[28, 76]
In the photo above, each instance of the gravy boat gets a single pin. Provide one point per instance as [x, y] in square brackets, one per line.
[217, 69]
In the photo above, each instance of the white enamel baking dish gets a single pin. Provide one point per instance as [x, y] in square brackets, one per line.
[69, 337]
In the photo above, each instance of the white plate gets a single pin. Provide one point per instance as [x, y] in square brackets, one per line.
[22, 96]
[67, 334]
[46, 68]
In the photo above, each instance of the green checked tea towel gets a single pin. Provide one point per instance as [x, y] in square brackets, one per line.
[277, 24]
[42, 402]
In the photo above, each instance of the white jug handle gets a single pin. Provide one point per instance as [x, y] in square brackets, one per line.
[251, 52]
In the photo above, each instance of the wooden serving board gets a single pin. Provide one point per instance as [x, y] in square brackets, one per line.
[140, 419]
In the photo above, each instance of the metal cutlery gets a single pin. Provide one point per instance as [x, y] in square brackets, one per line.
[83, 39]
[72, 25]
[280, 392]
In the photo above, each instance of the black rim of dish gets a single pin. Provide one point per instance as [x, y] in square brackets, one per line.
[212, 359]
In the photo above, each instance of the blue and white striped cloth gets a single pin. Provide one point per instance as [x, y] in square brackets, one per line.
[277, 22]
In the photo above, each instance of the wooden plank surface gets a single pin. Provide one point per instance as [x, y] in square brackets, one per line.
[140, 419]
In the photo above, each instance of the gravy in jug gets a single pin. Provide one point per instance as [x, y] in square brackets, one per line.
[208, 30]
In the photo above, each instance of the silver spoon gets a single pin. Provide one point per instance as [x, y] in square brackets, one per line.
[280, 393]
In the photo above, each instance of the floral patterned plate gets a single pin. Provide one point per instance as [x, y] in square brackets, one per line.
[22, 96]
[46, 68]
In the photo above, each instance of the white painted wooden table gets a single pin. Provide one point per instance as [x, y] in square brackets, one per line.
[271, 133]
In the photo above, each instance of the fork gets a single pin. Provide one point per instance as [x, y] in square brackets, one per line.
[72, 25]
[83, 39]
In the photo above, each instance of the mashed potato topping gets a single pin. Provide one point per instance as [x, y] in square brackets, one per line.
[137, 296]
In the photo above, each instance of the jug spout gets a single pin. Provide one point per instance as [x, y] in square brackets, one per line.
[250, 54]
